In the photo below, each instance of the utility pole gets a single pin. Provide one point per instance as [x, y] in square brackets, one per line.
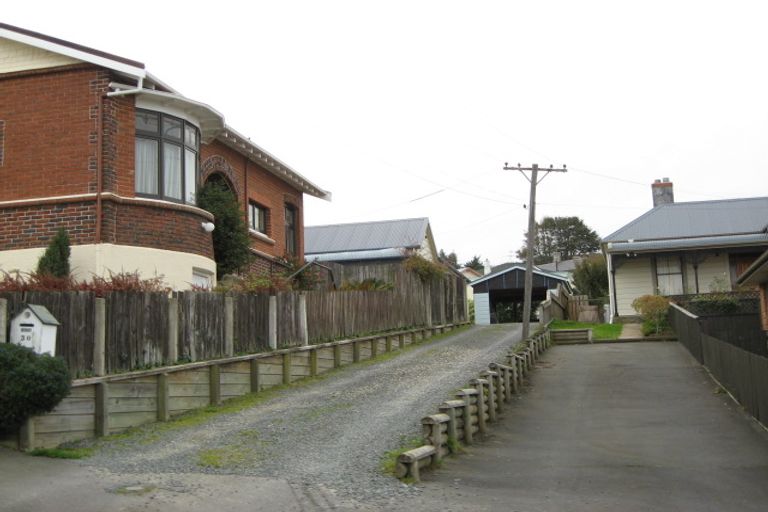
[534, 180]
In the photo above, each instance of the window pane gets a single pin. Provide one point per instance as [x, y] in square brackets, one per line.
[190, 136]
[146, 166]
[172, 171]
[190, 176]
[146, 121]
[290, 230]
[171, 128]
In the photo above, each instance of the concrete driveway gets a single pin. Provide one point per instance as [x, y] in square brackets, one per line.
[618, 427]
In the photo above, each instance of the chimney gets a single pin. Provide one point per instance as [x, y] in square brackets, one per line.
[662, 192]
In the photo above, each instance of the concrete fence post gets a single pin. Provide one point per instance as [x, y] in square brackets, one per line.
[303, 327]
[489, 378]
[100, 337]
[313, 362]
[172, 347]
[229, 326]
[3, 320]
[273, 322]
[465, 395]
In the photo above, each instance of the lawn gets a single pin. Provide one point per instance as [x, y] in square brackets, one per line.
[599, 331]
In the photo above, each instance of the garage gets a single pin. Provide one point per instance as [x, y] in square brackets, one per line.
[499, 296]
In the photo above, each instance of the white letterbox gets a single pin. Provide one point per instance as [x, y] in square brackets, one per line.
[35, 327]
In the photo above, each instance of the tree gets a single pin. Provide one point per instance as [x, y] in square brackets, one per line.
[450, 259]
[231, 245]
[567, 235]
[591, 277]
[55, 259]
[475, 264]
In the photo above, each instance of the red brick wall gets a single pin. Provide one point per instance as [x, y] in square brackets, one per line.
[260, 186]
[34, 225]
[50, 144]
[156, 225]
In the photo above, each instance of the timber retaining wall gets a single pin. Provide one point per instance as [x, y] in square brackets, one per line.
[101, 406]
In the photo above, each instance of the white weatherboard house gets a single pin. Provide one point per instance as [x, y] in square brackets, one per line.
[683, 248]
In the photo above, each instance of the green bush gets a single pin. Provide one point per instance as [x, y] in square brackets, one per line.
[231, 242]
[425, 269]
[30, 384]
[55, 259]
[653, 309]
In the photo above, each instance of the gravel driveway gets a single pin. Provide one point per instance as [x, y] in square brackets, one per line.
[326, 439]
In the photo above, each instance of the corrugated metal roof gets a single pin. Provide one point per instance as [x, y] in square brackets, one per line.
[758, 239]
[696, 219]
[365, 236]
[378, 254]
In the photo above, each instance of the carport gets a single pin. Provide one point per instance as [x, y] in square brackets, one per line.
[499, 295]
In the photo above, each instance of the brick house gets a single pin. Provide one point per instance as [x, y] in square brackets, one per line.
[94, 143]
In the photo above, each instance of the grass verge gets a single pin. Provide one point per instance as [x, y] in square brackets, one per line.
[599, 331]
[62, 453]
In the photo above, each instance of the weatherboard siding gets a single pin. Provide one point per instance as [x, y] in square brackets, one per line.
[15, 57]
[482, 309]
[633, 279]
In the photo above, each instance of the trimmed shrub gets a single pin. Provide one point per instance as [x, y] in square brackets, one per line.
[55, 259]
[30, 384]
[653, 309]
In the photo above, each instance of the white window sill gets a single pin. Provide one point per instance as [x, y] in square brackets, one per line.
[261, 236]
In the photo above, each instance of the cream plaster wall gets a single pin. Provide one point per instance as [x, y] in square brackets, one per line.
[88, 260]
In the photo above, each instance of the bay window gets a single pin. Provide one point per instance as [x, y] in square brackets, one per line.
[167, 151]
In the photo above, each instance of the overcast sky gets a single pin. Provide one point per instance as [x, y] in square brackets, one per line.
[410, 108]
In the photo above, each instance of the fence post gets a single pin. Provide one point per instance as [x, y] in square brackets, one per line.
[303, 327]
[273, 322]
[102, 409]
[229, 326]
[215, 384]
[313, 362]
[287, 368]
[3, 320]
[99, 336]
[428, 302]
[172, 348]
[255, 378]
[163, 403]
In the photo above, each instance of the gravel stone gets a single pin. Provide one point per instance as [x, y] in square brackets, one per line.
[327, 439]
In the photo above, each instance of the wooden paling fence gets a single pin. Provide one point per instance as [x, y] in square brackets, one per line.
[474, 408]
[150, 329]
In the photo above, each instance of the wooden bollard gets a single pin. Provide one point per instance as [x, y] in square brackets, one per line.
[433, 427]
[480, 385]
[489, 377]
[449, 408]
[506, 376]
[465, 395]
[410, 462]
